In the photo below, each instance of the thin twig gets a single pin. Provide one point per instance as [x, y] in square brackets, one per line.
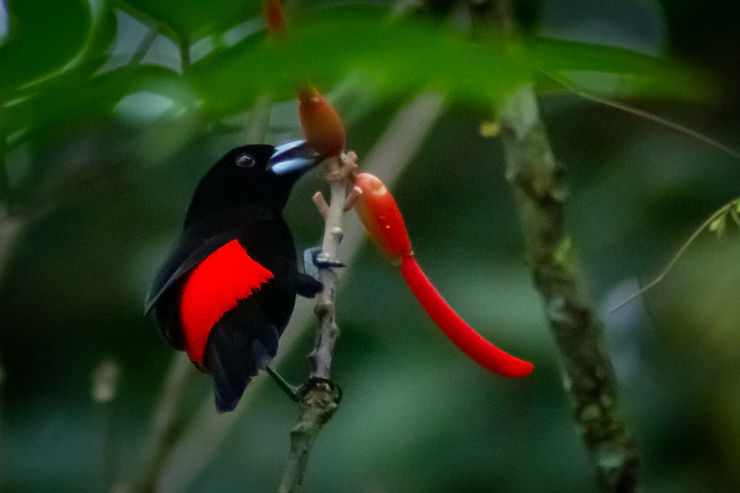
[657, 279]
[205, 434]
[5, 192]
[320, 202]
[104, 389]
[646, 115]
[166, 425]
[320, 402]
[258, 120]
[11, 228]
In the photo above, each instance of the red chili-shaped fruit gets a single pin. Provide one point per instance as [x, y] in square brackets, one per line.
[468, 340]
[384, 223]
[381, 217]
[321, 124]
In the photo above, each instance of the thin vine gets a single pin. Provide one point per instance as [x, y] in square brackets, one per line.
[716, 223]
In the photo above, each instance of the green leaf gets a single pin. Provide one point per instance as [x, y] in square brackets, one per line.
[104, 30]
[76, 98]
[394, 57]
[735, 212]
[43, 37]
[619, 72]
[398, 56]
[719, 225]
[195, 18]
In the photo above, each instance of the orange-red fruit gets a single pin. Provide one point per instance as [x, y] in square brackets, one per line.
[381, 217]
[274, 16]
[460, 333]
[384, 223]
[321, 124]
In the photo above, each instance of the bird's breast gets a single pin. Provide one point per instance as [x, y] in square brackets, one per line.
[213, 288]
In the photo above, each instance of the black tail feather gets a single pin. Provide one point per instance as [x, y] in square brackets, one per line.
[236, 351]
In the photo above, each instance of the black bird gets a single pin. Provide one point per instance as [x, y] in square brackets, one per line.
[227, 289]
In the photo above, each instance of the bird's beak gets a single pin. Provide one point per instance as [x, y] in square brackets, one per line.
[294, 158]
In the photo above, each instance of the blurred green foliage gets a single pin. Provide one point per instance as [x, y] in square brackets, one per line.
[107, 128]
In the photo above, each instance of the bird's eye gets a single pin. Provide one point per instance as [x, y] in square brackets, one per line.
[245, 161]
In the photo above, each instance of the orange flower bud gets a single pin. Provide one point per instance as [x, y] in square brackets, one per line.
[381, 217]
[274, 16]
[321, 124]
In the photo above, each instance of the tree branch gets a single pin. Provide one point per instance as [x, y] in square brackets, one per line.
[319, 402]
[104, 389]
[258, 120]
[166, 426]
[11, 228]
[586, 368]
[540, 192]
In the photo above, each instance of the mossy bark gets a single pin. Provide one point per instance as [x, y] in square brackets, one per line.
[540, 193]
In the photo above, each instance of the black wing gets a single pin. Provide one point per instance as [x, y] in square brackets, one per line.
[240, 344]
[184, 257]
[200, 240]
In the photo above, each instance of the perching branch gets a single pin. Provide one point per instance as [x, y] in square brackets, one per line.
[320, 401]
[588, 376]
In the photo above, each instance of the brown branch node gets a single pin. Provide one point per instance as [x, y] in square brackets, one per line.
[321, 205]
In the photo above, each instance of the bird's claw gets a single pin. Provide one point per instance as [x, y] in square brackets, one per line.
[313, 383]
[314, 259]
[298, 393]
[323, 261]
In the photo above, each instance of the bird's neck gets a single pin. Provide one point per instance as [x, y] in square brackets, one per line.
[230, 217]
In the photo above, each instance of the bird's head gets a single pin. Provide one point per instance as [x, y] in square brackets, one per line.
[253, 174]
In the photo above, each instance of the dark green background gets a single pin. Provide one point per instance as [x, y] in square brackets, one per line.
[101, 194]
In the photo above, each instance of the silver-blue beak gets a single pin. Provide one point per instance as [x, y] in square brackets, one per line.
[294, 157]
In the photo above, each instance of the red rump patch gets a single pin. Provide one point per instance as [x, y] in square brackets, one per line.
[213, 288]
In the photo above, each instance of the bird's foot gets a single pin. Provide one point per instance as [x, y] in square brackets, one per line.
[316, 383]
[314, 259]
[297, 393]
[290, 390]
